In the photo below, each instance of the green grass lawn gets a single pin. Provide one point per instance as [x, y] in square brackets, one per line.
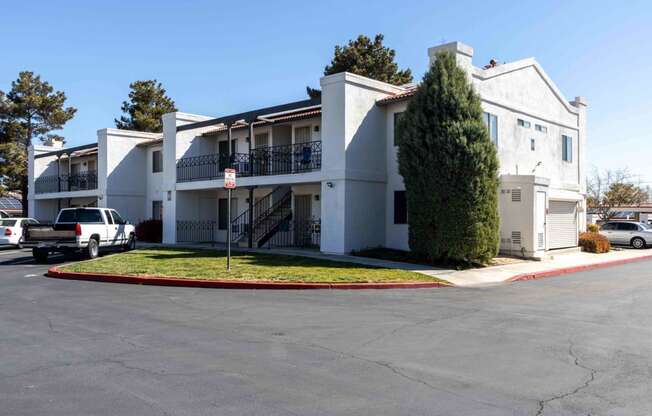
[211, 264]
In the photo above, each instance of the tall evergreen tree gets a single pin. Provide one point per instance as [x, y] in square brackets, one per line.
[450, 168]
[30, 110]
[370, 59]
[147, 104]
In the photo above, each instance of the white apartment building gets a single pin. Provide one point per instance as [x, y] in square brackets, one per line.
[323, 173]
[122, 170]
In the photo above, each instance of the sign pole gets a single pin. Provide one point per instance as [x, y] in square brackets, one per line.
[229, 184]
[228, 234]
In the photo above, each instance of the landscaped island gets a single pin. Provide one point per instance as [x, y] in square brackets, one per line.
[245, 266]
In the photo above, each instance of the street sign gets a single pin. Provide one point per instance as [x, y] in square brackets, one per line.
[229, 178]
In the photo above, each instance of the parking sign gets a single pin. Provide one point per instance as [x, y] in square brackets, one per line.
[229, 178]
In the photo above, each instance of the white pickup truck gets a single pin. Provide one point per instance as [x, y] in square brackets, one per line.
[79, 229]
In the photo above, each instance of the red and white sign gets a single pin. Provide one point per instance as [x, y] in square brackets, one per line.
[229, 178]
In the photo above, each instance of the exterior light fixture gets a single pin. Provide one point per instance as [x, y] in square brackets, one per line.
[330, 184]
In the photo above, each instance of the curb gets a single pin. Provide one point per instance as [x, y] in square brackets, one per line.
[566, 270]
[231, 284]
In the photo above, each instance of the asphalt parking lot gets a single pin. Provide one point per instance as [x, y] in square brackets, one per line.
[579, 344]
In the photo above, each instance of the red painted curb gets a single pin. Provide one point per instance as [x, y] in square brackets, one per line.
[565, 270]
[230, 284]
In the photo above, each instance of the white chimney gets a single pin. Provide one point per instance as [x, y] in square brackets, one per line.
[463, 54]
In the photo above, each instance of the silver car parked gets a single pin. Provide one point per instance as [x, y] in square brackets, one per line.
[635, 234]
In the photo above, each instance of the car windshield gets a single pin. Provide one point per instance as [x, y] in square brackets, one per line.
[7, 223]
[646, 226]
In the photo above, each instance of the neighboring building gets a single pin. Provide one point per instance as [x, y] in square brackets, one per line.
[11, 205]
[116, 172]
[641, 213]
[324, 172]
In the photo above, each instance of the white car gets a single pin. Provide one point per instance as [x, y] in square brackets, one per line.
[11, 230]
[80, 229]
[630, 233]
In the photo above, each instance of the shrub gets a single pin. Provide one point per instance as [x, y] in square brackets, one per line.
[594, 243]
[450, 168]
[150, 231]
[593, 228]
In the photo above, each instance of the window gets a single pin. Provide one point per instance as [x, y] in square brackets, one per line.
[302, 134]
[117, 218]
[566, 148]
[81, 215]
[542, 129]
[627, 226]
[608, 226]
[107, 214]
[397, 117]
[523, 123]
[400, 207]
[491, 121]
[157, 161]
[532, 144]
[157, 210]
[7, 223]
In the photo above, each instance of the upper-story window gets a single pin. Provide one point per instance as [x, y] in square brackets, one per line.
[491, 121]
[397, 117]
[157, 161]
[542, 129]
[523, 123]
[566, 148]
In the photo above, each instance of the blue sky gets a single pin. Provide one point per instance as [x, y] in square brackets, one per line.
[217, 57]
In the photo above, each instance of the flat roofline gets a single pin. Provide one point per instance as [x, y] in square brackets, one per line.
[67, 150]
[252, 115]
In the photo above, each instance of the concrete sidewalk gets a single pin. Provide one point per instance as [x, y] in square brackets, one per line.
[464, 278]
[579, 260]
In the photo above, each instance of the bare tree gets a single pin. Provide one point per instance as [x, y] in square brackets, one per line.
[612, 189]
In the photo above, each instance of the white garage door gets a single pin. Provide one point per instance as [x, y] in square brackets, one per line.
[562, 224]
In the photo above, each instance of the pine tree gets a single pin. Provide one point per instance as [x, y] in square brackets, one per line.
[147, 104]
[369, 59]
[450, 169]
[30, 110]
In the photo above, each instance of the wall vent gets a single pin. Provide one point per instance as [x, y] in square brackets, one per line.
[516, 238]
[516, 195]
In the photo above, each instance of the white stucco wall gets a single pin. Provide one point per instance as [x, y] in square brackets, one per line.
[120, 162]
[354, 162]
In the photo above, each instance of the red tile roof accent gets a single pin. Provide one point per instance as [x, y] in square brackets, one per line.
[397, 97]
[287, 117]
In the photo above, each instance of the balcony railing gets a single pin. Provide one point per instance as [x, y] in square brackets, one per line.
[262, 161]
[66, 183]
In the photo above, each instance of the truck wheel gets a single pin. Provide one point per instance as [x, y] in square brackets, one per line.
[131, 243]
[93, 249]
[40, 255]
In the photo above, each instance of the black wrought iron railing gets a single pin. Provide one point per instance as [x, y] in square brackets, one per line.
[197, 231]
[66, 183]
[261, 209]
[268, 160]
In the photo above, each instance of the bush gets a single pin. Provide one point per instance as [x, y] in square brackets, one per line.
[594, 243]
[593, 228]
[450, 168]
[150, 231]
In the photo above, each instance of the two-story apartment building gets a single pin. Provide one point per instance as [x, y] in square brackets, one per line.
[122, 170]
[323, 172]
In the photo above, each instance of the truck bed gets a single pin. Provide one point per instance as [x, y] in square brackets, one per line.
[48, 232]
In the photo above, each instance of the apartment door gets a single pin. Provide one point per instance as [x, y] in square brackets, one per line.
[541, 220]
[223, 150]
[261, 154]
[302, 220]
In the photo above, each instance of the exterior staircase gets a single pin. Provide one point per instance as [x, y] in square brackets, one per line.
[270, 215]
